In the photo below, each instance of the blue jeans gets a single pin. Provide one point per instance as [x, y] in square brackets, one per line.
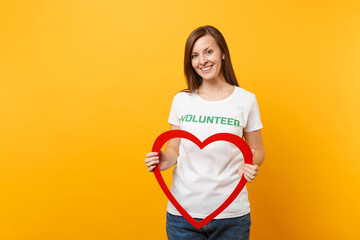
[178, 228]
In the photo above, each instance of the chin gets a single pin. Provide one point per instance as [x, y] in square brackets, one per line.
[208, 77]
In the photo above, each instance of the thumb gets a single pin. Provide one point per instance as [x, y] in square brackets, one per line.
[240, 171]
[253, 152]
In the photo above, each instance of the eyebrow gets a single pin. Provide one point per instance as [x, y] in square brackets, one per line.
[204, 49]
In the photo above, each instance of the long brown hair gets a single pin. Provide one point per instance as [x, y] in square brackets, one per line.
[192, 78]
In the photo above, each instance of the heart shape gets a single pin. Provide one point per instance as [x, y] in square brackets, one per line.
[234, 139]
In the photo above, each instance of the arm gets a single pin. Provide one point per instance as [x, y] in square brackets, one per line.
[167, 158]
[254, 140]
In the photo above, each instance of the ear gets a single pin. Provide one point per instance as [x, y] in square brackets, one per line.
[223, 56]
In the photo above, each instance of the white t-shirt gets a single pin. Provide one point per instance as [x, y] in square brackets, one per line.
[204, 179]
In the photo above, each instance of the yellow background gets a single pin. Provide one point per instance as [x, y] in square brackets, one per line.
[86, 87]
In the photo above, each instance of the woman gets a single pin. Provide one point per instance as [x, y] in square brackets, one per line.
[203, 179]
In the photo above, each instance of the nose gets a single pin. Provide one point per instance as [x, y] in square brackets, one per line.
[203, 60]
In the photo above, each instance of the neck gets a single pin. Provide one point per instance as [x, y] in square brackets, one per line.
[214, 86]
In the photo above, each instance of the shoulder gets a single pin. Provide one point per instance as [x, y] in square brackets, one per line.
[183, 96]
[181, 101]
[244, 95]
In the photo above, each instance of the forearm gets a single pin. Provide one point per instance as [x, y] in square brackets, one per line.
[168, 158]
[258, 157]
[254, 140]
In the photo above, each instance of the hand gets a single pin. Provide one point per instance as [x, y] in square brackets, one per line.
[152, 160]
[249, 171]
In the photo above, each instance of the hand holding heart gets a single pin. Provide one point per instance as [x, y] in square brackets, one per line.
[151, 160]
[250, 171]
[164, 161]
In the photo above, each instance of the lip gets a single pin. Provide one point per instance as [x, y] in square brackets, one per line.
[208, 70]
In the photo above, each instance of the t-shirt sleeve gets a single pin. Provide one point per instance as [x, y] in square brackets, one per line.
[174, 117]
[254, 121]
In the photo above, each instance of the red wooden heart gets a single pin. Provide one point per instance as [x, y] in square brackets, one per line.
[234, 139]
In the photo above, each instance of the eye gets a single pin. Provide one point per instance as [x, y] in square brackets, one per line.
[209, 51]
[193, 56]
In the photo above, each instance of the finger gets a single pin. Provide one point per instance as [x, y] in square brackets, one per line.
[249, 177]
[149, 164]
[253, 167]
[151, 169]
[151, 154]
[250, 171]
[151, 159]
[240, 172]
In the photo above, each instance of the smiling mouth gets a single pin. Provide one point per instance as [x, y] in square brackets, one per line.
[206, 69]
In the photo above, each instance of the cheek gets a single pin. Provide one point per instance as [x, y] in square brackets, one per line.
[216, 59]
[218, 62]
[193, 64]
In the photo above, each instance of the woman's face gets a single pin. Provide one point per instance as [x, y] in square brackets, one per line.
[206, 58]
